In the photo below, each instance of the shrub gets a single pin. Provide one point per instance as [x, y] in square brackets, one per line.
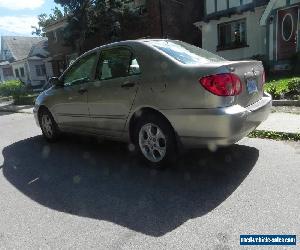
[12, 88]
[285, 88]
[25, 99]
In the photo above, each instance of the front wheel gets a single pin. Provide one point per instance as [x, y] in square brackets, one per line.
[156, 141]
[48, 125]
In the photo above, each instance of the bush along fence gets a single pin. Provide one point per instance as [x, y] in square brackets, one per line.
[21, 94]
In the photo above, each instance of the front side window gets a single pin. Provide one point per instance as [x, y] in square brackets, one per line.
[232, 35]
[115, 63]
[81, 70]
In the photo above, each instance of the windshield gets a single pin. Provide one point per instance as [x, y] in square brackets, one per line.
[184, 52]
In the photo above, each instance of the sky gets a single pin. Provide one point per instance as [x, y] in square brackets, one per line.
[17, 16]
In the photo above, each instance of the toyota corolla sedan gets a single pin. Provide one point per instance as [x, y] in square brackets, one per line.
[158, 95]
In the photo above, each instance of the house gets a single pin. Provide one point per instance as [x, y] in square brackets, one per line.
[6, 72]
[161, 18]
[175, 19]
[231, 28]
[281, 20]
[27, 57]
[61, 54]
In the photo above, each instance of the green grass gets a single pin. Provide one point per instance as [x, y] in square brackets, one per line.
[284, 87]
[280, 136]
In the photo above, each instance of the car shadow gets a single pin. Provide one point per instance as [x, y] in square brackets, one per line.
[103, 181]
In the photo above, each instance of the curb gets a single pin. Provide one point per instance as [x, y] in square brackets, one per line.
[6, 99]
[295, 103]
[23, 111]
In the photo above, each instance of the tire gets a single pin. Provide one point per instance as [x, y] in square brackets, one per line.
[48, 125]
[155, 139]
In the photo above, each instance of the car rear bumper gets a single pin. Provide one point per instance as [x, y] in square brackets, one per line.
[220, 126]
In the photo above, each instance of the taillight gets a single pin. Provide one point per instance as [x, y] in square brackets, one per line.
[226, 84]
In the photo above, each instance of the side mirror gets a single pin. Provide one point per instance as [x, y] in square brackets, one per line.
[54, 81]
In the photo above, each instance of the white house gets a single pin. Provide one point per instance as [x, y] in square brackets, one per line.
[6, 72]
[28, 58]
[243, 29]
[231, 28]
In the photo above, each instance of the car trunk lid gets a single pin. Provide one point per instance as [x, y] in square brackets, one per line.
[251, 74]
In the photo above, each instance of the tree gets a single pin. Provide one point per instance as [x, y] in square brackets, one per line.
[101, 20]
[44, 20]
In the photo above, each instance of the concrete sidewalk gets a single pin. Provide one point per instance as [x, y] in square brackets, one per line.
[277, 122]
[9, 107]
[281, 122]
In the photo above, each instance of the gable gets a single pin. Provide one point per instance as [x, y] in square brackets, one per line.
[18, 47]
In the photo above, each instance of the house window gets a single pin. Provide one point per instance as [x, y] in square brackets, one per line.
[22, 72]
[55, 36]
[40, 70]
[7, 72]
[17, 73]
[232, 35]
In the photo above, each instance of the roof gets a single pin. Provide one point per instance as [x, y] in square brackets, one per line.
[233, 10]
[20, 46]
[4, 63]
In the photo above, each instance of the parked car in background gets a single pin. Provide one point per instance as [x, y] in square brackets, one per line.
[158, 95]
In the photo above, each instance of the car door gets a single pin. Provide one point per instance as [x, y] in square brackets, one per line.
[112, 94]
[71, 107]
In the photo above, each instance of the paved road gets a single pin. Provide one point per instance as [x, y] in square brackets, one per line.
[81, 193]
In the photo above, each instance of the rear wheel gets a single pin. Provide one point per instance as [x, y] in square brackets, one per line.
[155, 140]
[48, 125]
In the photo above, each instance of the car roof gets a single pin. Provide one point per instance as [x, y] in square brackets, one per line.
[128, 43]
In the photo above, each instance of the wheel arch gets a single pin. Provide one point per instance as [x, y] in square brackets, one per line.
[143, 111]
[44, 107]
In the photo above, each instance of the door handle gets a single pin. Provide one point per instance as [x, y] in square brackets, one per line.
[127, 84]
[82, 91]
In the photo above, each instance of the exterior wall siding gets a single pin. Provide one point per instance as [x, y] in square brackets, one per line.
[35, 79]
[256, 36]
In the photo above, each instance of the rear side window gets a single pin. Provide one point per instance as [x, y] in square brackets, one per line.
[185, 53]
[116, 63]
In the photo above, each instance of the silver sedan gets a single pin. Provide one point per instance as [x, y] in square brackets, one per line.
[158, 95]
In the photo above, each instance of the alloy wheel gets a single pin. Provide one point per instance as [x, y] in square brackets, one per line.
[47, 125]
[152, 142]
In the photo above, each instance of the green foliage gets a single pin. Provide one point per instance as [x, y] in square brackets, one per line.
[284, 88]
[44, 20]
[274, 135]
[102, 20]
[12, 88]
[25, 99]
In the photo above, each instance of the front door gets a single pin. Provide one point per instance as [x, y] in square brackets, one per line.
[112, 94]
[287, 33]
[71, 108]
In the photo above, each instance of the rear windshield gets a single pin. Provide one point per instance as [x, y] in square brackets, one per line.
[185, 53]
